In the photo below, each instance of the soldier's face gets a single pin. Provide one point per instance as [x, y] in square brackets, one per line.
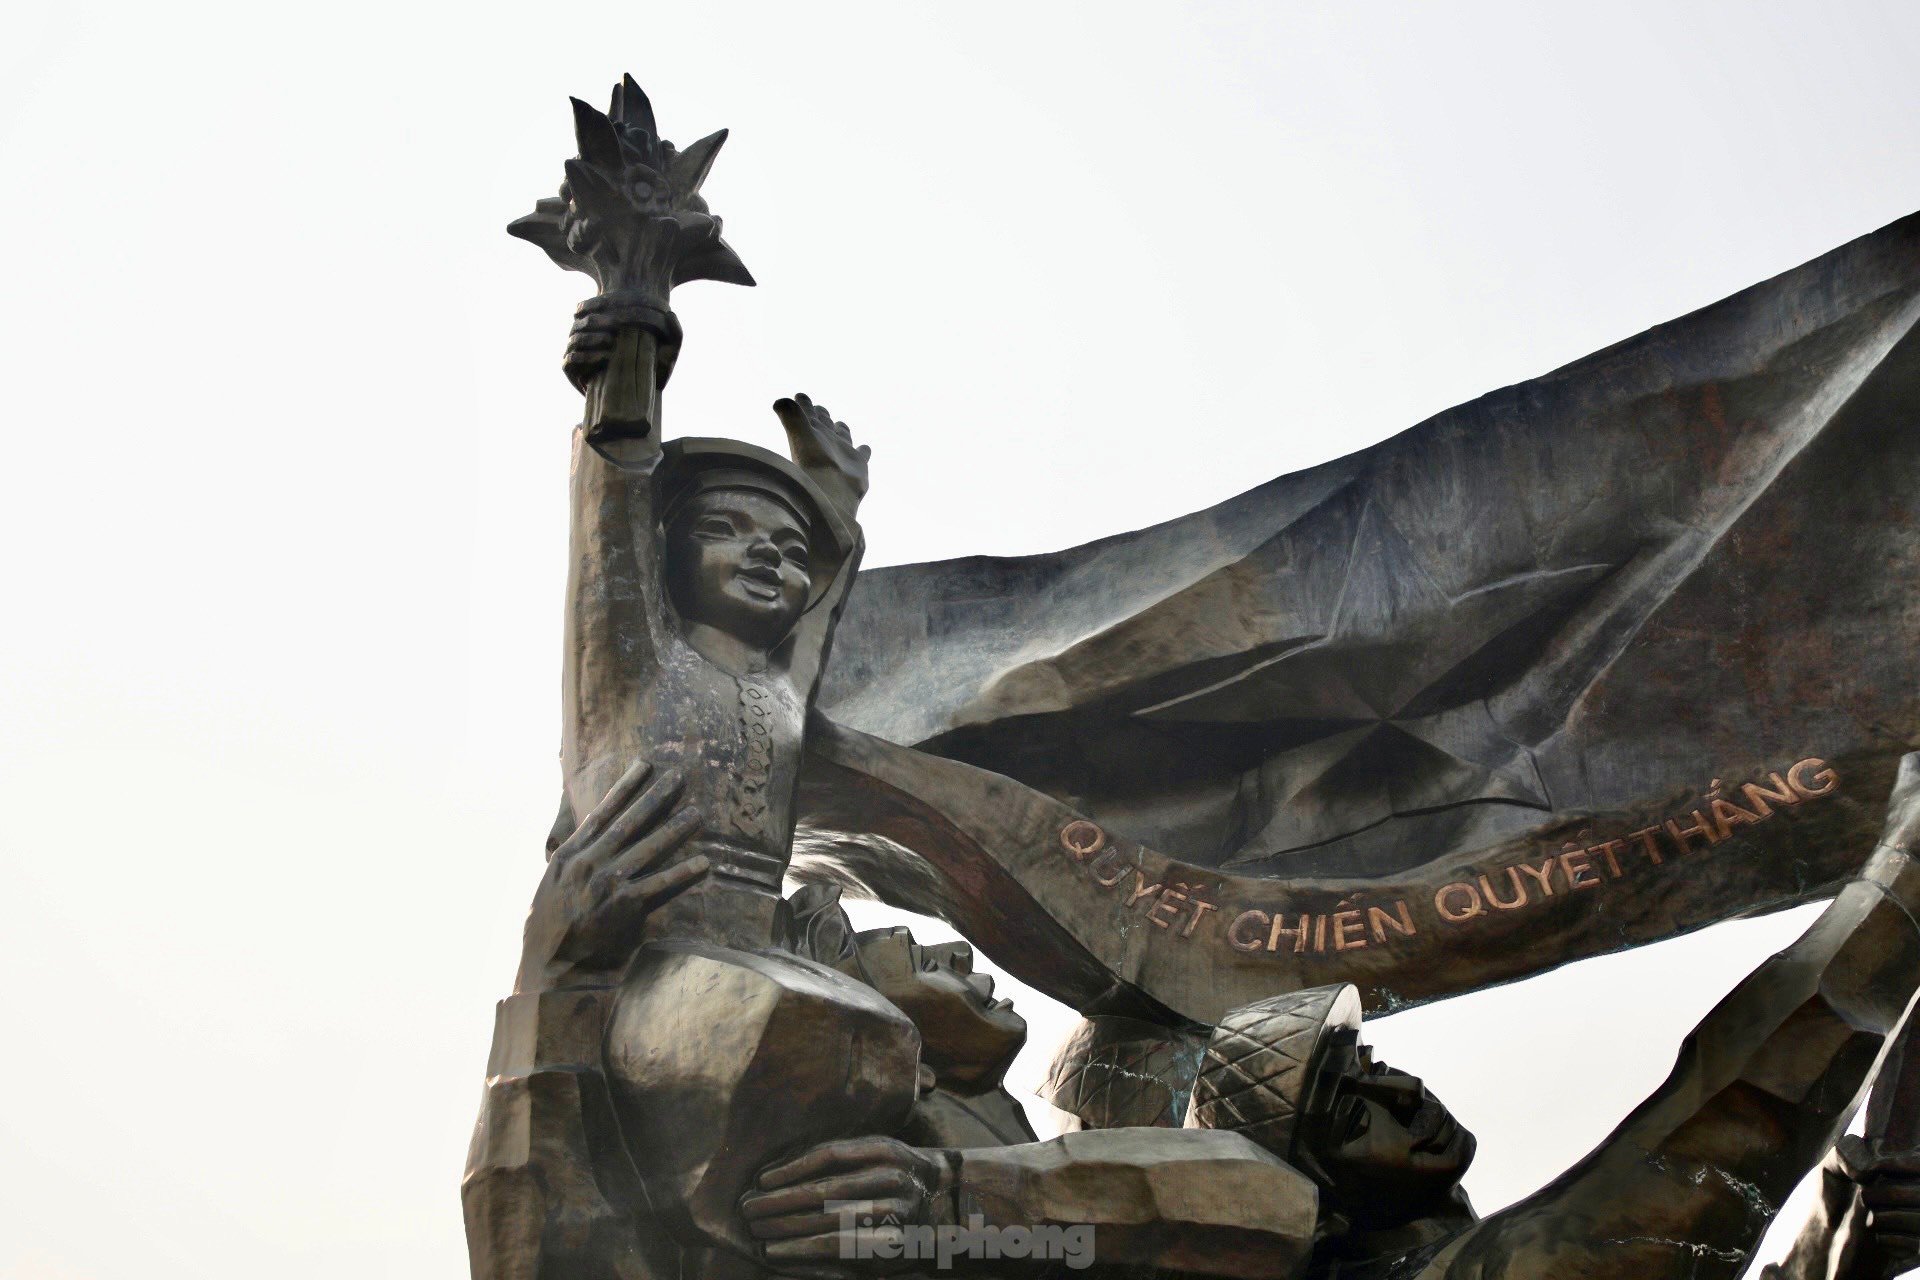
[967, 1037]
[1386, 1144]
[737, 561]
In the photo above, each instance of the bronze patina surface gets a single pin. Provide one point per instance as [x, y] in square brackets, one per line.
[1589, 662]
[1573, 637]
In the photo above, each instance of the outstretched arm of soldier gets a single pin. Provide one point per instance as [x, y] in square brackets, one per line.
[1766, 1084]
[1201, 1203]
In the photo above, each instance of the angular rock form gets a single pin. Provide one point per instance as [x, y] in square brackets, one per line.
[721, 1060]
[550, 1192]
[1180, 1200]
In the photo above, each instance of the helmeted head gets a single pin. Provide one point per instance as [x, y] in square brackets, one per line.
[1115, 1072]
[968, 1038]
[751, 542]
[1291, 1073]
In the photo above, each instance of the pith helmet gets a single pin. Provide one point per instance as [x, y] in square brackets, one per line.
[1115, 1072]
[1263, 1063]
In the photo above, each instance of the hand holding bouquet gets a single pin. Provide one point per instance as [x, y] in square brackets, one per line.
[630, 215]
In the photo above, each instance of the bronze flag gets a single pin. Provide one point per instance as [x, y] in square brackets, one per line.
[1588, 662]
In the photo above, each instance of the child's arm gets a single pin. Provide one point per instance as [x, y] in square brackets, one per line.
[824, 449]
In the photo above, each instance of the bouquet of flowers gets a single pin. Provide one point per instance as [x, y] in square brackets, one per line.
[630, 215]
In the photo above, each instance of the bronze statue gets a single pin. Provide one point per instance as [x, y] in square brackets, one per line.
[550, 1189]
[696, 1074]
[1603, 613]
[1689, 1182]
[1189, 1203]
[698, 1036]
[1684, 1188]
[706, 576]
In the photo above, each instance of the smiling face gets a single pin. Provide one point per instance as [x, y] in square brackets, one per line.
[1386, 1146]
[737, 562]
[969, 1038]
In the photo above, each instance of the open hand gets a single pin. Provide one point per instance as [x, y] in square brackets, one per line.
[600, 884]
[824, 449]
[874, 1185]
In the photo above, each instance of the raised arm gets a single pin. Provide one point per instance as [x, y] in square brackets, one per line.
[614, 613]
[631, 216]
[1764, 1086]
[824, 449]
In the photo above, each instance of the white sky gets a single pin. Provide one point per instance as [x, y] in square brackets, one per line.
[284, 500]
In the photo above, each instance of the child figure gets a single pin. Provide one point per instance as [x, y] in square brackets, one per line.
[706, 577]
[629, 1098]
[704, 583]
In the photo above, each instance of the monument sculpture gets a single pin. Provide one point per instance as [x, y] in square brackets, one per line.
[1416, 721]
[1685, 1187]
